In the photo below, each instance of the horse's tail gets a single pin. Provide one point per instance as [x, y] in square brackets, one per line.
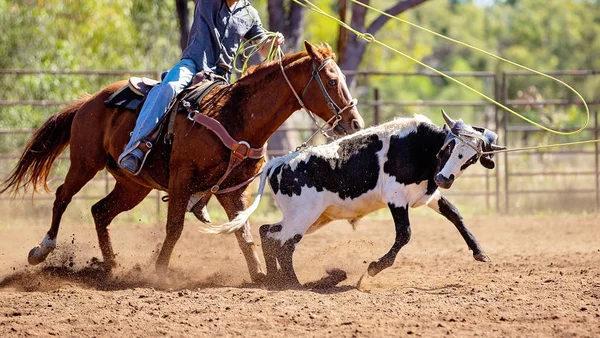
[242, 217]
[42, 150]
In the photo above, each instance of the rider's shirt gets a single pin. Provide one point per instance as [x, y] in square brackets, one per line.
[217, 31]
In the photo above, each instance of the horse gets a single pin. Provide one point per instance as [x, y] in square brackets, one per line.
[251, 109]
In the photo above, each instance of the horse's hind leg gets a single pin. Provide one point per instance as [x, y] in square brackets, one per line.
[123, 197]
[76, 178]
[232, 203]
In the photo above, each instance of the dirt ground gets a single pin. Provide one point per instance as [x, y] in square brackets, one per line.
[544, 281]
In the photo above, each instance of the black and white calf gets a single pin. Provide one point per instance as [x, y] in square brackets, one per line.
[399, 164]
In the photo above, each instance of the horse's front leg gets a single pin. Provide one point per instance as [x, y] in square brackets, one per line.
[441, 205]
[233, 203]
[179, 195]
[402, 224]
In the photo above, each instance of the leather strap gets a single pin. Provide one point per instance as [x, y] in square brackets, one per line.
[240, 149]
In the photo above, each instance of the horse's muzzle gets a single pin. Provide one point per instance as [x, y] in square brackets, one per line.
[343, 128]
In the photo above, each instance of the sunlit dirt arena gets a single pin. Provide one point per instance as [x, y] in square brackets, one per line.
[544, 281]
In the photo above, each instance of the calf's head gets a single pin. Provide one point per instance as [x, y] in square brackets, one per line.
[462, 147]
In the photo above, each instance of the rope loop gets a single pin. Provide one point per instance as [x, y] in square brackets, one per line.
[368, 37]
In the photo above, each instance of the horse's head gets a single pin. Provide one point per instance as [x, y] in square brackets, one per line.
[462, 147]
[327, 95]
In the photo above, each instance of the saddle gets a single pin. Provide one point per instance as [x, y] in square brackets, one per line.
[132, 97]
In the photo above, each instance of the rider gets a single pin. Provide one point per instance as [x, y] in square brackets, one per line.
[217, 31]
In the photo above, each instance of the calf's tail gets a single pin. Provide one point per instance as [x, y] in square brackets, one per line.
[243, 216]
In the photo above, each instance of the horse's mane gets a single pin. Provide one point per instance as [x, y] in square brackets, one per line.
[323, 49]
[254, 76]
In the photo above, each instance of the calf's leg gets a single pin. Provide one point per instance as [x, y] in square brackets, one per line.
[269, 248]
[280, 240]
[285, 255]
[402, 224]
[441, 205]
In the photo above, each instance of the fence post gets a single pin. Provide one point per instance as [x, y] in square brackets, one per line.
[597, 158]
[376, 104]
[506, 171]
[497, 127]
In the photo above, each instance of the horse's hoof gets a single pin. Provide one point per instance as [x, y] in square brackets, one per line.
[482, 257]
[109, 265]
[202, 215]
[40, 252]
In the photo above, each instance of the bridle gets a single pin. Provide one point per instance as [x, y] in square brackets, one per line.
[452, 136]
[335, 109]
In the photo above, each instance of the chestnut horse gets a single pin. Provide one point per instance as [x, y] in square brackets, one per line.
[250, 109]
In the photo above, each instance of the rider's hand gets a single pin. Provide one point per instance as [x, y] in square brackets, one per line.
[279, 39]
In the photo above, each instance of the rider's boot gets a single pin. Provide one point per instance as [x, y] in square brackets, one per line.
[132, 161]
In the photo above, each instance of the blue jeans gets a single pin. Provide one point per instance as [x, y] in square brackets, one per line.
[157, 103]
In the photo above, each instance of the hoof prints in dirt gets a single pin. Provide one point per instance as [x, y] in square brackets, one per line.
[96, 276]
[51, 277]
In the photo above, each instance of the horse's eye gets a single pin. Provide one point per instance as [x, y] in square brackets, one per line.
[332, 83]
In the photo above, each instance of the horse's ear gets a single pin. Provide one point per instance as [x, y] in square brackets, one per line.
[312, 51]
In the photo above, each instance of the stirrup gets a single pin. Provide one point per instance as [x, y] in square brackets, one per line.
[145, 147]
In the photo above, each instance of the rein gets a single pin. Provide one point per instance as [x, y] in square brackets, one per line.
[241, 150]
[337, 111]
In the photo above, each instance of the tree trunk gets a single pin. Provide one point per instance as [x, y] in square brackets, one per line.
[342, 32]
[291, 24]
[355, 47]
[294, 31]
[183, 15]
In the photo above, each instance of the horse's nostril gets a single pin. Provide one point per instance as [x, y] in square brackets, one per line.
[356, 125]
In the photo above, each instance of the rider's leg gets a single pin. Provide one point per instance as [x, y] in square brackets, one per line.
[156, 105]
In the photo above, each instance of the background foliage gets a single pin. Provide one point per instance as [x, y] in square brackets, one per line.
[143, 35]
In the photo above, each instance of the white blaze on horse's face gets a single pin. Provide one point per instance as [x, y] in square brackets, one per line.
[457, 155]
[335, 82]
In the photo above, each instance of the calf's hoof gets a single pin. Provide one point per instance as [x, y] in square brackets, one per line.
[377, 266]
[280, 281]
[260, 279]
[482, 257]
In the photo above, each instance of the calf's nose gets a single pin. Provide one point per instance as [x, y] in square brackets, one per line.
[444, 182]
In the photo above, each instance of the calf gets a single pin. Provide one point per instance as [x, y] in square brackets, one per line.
[398, 164]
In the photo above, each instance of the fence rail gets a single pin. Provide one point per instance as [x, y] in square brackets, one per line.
[497, 189]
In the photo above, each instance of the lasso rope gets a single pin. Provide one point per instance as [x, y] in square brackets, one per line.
[370, 38]
[251, 46]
